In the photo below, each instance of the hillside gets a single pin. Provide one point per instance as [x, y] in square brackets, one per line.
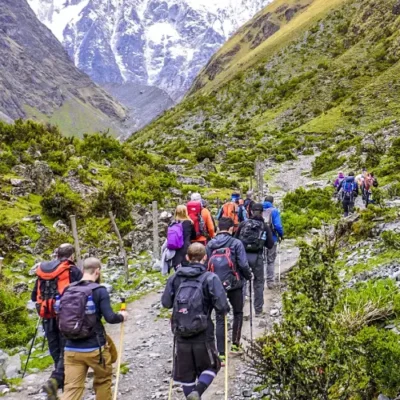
[39, 81]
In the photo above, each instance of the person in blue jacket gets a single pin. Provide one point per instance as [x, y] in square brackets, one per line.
[272, 216]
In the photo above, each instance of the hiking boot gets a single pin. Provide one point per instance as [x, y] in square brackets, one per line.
[222, 359]
[194, 396]
[50, 388]
[271, 285]
[236, 349]
[260, 314]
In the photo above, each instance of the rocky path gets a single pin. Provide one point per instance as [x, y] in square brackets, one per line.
[148, 350]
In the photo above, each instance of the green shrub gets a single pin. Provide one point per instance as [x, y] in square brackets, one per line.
[327, 161]
[114, 197]
[204, 152]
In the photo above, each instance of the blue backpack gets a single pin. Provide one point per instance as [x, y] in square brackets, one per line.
[348, 190]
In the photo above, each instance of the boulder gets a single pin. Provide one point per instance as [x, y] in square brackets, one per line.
[77, 186]
[42, 176]
[187, 180]
[21, 187]
[165, 216]
[396, 11]
[20, 288]
[13, 366]
[60, 226]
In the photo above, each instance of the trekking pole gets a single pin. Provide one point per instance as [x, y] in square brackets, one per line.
[121, 340]
[226, 357]
[279, 266]
[171, 383]
[251, 312]
[30, 350]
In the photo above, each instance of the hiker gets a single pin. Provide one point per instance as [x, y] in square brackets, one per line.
[202, 220]
[272, 217]
[231, 210]
[338, 180]
[227, 258]
[256, 235]
[85, 303]
[350, 191]
[242, 213]
[248, 203]
[52, 279]
[369, 183]
[179, 236]
[196, 361]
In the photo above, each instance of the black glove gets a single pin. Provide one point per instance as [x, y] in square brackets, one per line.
[280, 239]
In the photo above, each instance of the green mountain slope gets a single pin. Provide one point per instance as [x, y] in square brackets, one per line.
[328, 75]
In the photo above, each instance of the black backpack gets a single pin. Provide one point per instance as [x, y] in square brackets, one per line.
[189, 317]
[221, 264]
[251, 235]
[73, 321]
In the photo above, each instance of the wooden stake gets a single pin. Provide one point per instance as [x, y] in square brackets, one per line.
[156, 239]
[76, 240]
[121, 245]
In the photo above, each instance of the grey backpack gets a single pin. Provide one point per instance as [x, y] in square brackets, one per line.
[189, 315]
[73, 320]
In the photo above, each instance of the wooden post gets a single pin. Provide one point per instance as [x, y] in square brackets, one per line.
[156, 239]
[260, 182]
[121, 246]
[1, 264]
[251, 183]
[76, 240]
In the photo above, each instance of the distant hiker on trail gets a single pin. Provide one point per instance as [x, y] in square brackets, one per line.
[338, 180]
[368, 184]
[248, 203]
[180, 233]
[349, 190]
[255, 235]
[227, 258]
[84, 304]
[202, 219]
[231, 210]
[242, 213]
[193, 293]
[53, 277]
[272, 217]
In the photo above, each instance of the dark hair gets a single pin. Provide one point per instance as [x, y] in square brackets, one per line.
[196, 252]
[65, 251]
[270, 199]
[351, 174]
[257, 208]
[225, 223]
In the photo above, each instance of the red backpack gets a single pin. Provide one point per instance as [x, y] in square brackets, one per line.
[194, 211]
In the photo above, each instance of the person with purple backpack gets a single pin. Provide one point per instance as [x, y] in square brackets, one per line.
[179, 236]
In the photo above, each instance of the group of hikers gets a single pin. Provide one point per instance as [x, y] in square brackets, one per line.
[349, 187]
[214, 268]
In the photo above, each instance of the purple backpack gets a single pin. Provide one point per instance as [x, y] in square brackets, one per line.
[175, 236]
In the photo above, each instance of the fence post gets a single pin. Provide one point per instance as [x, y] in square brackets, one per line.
[76, 240]
[121, 245]
[156, 239]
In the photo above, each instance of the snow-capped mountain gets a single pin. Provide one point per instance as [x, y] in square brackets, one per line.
[162, 43]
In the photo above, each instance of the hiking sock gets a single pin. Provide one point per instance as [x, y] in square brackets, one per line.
[205, 381]
[188, 389]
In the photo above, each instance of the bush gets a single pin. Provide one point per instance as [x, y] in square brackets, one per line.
[113, 198]
[327, 161]
[204, 152]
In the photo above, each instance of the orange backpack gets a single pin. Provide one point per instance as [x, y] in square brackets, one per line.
[51, 284]
[231, 210]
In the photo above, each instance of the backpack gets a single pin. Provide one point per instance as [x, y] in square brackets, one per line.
[194, 211]
[251, 235]
[73, 321]
[269, 226]
[188, 313]
[348, 190]
[51, 284]
[221, 264]
[175, 238]
[231, 210]
[241, 213]
[248, 204]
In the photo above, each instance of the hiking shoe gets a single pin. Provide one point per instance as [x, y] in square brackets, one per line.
[236, 350]
[50, 388]
[260, 314]
[194, 396]
[223, 360]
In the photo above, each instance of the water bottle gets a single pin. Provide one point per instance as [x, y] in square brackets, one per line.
[57, 304]
[90, 306]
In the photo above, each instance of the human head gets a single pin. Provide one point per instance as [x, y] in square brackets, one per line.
[269, 199]
[91, 269]
[351, 174]
[195, 197]
[241, 202]
[257, 209]
[66, 252]
[235, 197]
[226, 224]
[196, 253]
[181, 213]
[249, 194]
[341, 175]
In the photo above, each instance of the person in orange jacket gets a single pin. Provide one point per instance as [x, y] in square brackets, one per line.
[202, 219]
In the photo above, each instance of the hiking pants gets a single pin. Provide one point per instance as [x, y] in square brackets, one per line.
[235, 298]
[256, 262]
[76, 368]
[270, 264]
[56, 347]
[348, 206]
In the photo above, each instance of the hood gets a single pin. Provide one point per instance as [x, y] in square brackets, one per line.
[191, 270]
[350, 179]
[341, 175]
[50, 266]
[267, 205]
[219, 241]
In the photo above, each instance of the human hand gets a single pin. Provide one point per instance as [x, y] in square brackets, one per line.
[124, 314]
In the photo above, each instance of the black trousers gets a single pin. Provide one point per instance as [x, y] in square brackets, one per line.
[348, 206]
[56, 347]
[235, 298]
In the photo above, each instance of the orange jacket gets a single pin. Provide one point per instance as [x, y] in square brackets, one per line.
[206, 215]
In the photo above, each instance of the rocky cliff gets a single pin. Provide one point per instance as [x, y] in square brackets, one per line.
[38, 79]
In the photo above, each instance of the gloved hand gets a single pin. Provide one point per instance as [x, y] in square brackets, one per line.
[280, 239]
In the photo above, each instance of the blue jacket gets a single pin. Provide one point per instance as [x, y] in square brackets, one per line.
[276, 220]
